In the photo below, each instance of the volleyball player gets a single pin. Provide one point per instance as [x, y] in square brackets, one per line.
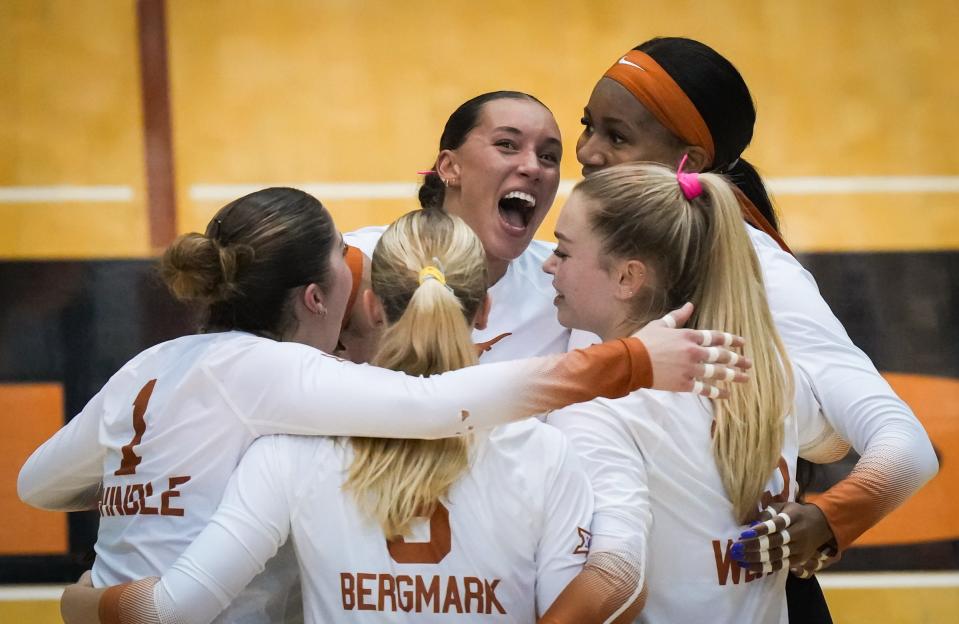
[498, 170]
[672, 97]
[674, 476]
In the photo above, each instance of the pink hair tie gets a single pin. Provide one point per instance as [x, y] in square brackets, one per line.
[425, 172]
[688, 182]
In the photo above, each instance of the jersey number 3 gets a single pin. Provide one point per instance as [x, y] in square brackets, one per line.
[433, 551]
[130, 461]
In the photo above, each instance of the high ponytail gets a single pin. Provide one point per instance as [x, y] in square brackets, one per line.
[748, 432]
[428, 332]
[698, 250]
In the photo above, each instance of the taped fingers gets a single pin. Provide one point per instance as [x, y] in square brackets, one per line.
[669, 320]
[764, 567]
[801, 572]
[713, 354]
[707, 390]
[766, 542]
[709, 338]
[808, 568]
[772, 555]
[720, 355]
[779, 522]
[720, 373]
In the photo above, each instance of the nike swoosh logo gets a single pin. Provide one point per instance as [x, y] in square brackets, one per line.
[623, 61]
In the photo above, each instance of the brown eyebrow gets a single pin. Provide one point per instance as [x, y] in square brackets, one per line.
[560, 236]
[616, 121]
[518, 132]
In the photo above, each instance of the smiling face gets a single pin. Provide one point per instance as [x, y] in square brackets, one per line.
[619, 129]
[503, 178]
[587, 287]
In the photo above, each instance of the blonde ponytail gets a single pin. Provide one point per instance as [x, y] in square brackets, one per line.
[698, 250]
[428, 332]
[748, 432]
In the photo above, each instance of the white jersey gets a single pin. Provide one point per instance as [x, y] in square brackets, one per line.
[661, 505]
[166, 431]
[504, 543]
[896, 455]
[522, 315]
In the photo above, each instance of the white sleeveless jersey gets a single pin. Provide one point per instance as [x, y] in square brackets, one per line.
[522, 315]
[504, 543]
[661, 505]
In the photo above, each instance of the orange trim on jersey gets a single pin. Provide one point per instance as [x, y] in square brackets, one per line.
[597, 592]
[850, 506]
[354, 260]
[658, 92]
[611, 370]
[877, 496]
[109, 605]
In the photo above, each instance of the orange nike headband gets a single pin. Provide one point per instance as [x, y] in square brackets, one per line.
[354, 260]
[658, 92]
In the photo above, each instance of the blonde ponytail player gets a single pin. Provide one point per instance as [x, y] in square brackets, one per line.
[676, 475]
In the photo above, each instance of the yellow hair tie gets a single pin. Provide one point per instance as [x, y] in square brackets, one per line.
[432, 272]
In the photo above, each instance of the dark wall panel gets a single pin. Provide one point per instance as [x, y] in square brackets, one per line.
[76, 323]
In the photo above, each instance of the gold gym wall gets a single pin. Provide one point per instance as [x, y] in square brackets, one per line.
[348, 92]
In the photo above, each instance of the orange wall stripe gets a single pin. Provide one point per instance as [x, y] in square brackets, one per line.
[933, 513]
[31, 414]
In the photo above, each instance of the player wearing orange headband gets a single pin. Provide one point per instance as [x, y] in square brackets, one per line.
[672, 97]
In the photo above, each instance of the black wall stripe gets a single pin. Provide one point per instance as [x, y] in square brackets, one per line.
[77, 322]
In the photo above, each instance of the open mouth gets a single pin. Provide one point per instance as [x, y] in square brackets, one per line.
[516, 210]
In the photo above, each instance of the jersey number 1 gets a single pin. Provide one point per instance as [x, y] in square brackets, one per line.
[131, 460]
